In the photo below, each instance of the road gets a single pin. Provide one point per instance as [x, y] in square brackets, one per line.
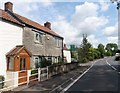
[115, 64]
[100, 77]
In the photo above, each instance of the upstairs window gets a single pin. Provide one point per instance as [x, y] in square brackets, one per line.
[57, 42]
[38, 38]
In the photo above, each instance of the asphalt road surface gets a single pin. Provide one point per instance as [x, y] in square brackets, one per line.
[101, 77]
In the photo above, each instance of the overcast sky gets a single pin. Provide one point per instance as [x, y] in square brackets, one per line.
[73, 18]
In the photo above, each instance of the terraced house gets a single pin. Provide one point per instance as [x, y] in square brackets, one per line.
[25, 43]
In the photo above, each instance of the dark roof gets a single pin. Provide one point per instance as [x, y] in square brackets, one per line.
[18, 19]
[17, 50]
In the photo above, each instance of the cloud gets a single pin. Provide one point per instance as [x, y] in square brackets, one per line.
[111, 30]
[93, 40]
[27, 5]
[112, 39]
[65, 29]
[85, 10]
[91, 24]
[84, 21]
[104, 5]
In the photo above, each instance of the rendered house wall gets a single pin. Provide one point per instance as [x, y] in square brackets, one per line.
[10, 36]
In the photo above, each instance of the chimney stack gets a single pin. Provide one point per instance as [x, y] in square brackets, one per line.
[65, 47]
[8, 6]
[48, 25]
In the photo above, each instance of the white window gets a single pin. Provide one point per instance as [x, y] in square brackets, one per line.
[38, 38]
[50, 59]
[57, 42]
[10, 63]
[56, 59]
[37, 62]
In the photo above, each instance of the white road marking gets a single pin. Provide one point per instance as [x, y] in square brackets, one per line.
[111, 65]
[65, 89]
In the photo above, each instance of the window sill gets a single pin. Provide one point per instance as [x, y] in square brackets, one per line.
[57, 46]
[36, 42]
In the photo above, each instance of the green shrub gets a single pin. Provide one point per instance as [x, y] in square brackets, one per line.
[84, 60]
[108, 53]
[1, 83]
[34, 71]
[91, 58]
[45, 62]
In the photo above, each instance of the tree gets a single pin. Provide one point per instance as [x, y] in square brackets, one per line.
[83, 51]
[91, 54]
[111, 48]
[101, 50]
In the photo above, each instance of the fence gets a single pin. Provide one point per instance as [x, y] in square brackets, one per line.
[40, 74]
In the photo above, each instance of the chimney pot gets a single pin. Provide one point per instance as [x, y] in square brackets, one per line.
[48, 25]
[8, 6]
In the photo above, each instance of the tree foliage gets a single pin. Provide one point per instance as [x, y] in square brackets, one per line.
[83, 50]
[111, 48]
[87, 53]
[101, 50]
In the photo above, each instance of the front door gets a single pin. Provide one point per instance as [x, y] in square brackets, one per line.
[23, 62]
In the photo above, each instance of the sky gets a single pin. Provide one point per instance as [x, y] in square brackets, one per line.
[73, 18]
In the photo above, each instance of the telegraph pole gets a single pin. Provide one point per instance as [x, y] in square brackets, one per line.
[118, 8]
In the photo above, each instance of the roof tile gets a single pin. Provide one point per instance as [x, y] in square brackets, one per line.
[8, 17]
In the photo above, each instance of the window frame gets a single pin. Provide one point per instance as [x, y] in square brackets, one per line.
[38, 63]
[38, 38]
[57, 42]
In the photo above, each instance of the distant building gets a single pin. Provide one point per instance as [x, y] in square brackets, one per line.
[66, 54]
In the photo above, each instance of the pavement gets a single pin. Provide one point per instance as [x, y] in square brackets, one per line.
[56, 83]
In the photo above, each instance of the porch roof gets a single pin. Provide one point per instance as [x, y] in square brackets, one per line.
[17, 50]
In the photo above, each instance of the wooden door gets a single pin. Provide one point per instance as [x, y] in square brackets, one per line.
[23, 63]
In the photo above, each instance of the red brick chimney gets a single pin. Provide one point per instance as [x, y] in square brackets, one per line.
[8, 6]
[48, 25]
[65, 47]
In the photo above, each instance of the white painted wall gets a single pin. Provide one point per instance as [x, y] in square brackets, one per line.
[10, 36]
[67, 54]
[11, 79]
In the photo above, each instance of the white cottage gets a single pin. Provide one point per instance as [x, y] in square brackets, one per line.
[10, 36]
